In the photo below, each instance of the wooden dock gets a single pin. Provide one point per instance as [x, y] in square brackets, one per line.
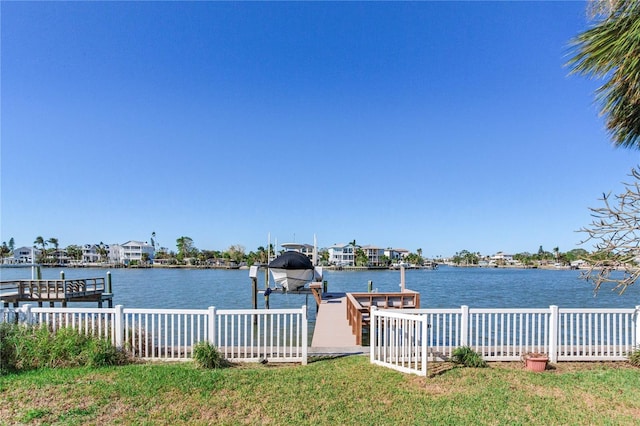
[332, 329]
[342, 317]
[51, 291]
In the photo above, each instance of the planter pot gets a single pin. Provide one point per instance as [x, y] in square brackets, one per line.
[536, 363]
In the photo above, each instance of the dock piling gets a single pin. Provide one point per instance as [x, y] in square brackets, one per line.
[109, 283]
[267, 292]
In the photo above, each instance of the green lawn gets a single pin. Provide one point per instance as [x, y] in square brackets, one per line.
[339, 391]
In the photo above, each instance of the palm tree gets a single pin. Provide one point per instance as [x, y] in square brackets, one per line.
[43, 244]
[55, 244]
[355, 247]
[610, 50]
[102, 251]
[261, 255]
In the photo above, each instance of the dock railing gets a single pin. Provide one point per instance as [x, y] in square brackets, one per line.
[65, 289]
[250, 335]
[360, 304]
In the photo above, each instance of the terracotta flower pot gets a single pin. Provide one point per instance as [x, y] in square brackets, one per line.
[536, 362]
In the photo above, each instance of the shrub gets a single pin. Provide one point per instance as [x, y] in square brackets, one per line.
[466, 356]
[8, 357]
[207, 356]
[31, 347]
[101, 353]
[634, 358]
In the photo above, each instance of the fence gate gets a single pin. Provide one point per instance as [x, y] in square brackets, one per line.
[396, 339]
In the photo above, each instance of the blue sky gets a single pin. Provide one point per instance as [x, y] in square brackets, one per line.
[436, 125]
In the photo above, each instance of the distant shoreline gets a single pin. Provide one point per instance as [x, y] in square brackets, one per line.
[326, 268]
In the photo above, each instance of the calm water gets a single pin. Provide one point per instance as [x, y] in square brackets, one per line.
[444, 288]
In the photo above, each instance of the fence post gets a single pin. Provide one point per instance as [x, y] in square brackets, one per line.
[27, 314]
[211, 332]
[119, 326]
[373, 332]
[464, 326]
[636, 319]
[305, 335]
[554, 322]
[425, 343]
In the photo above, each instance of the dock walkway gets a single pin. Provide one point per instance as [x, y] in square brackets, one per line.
[332, 332]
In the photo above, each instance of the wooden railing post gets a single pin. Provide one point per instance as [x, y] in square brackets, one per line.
[554, 321]
[464, 326]
[359, 328]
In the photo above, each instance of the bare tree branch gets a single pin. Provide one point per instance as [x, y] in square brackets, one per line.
[615, 233]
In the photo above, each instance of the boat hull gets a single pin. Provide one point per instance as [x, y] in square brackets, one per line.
[292, 279]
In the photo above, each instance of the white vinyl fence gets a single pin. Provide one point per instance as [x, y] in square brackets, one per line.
[251, 335]
[404, 340]
[396, 339]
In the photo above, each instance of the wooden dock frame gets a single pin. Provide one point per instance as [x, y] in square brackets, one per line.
[63, 291]
[315, 288]
[359, 307]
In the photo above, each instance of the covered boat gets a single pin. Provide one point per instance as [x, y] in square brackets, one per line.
[291, 270]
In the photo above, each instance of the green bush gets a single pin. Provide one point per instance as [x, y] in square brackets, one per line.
[634, 358]
[207, 356]
[102, 353]
[24, 347]
[466, 356]
[8, 358]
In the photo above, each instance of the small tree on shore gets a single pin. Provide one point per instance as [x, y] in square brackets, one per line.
[185, 247]
[615, 232]
[236, 253]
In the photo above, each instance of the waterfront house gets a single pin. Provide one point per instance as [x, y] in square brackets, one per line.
[102, 253]
[502, 259]
[136, 252]
[373, 254]
[397, 254]
[24, 255]
[306, 249]
[342, 254]
[91, 253]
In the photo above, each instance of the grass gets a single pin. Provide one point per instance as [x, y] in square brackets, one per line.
[343, 391]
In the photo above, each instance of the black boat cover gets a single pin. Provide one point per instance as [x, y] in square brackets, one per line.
[291, 260]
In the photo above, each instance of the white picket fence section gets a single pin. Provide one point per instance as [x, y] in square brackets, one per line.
[405, 340]
[250, 335]
[401, 339]
[395, 341]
